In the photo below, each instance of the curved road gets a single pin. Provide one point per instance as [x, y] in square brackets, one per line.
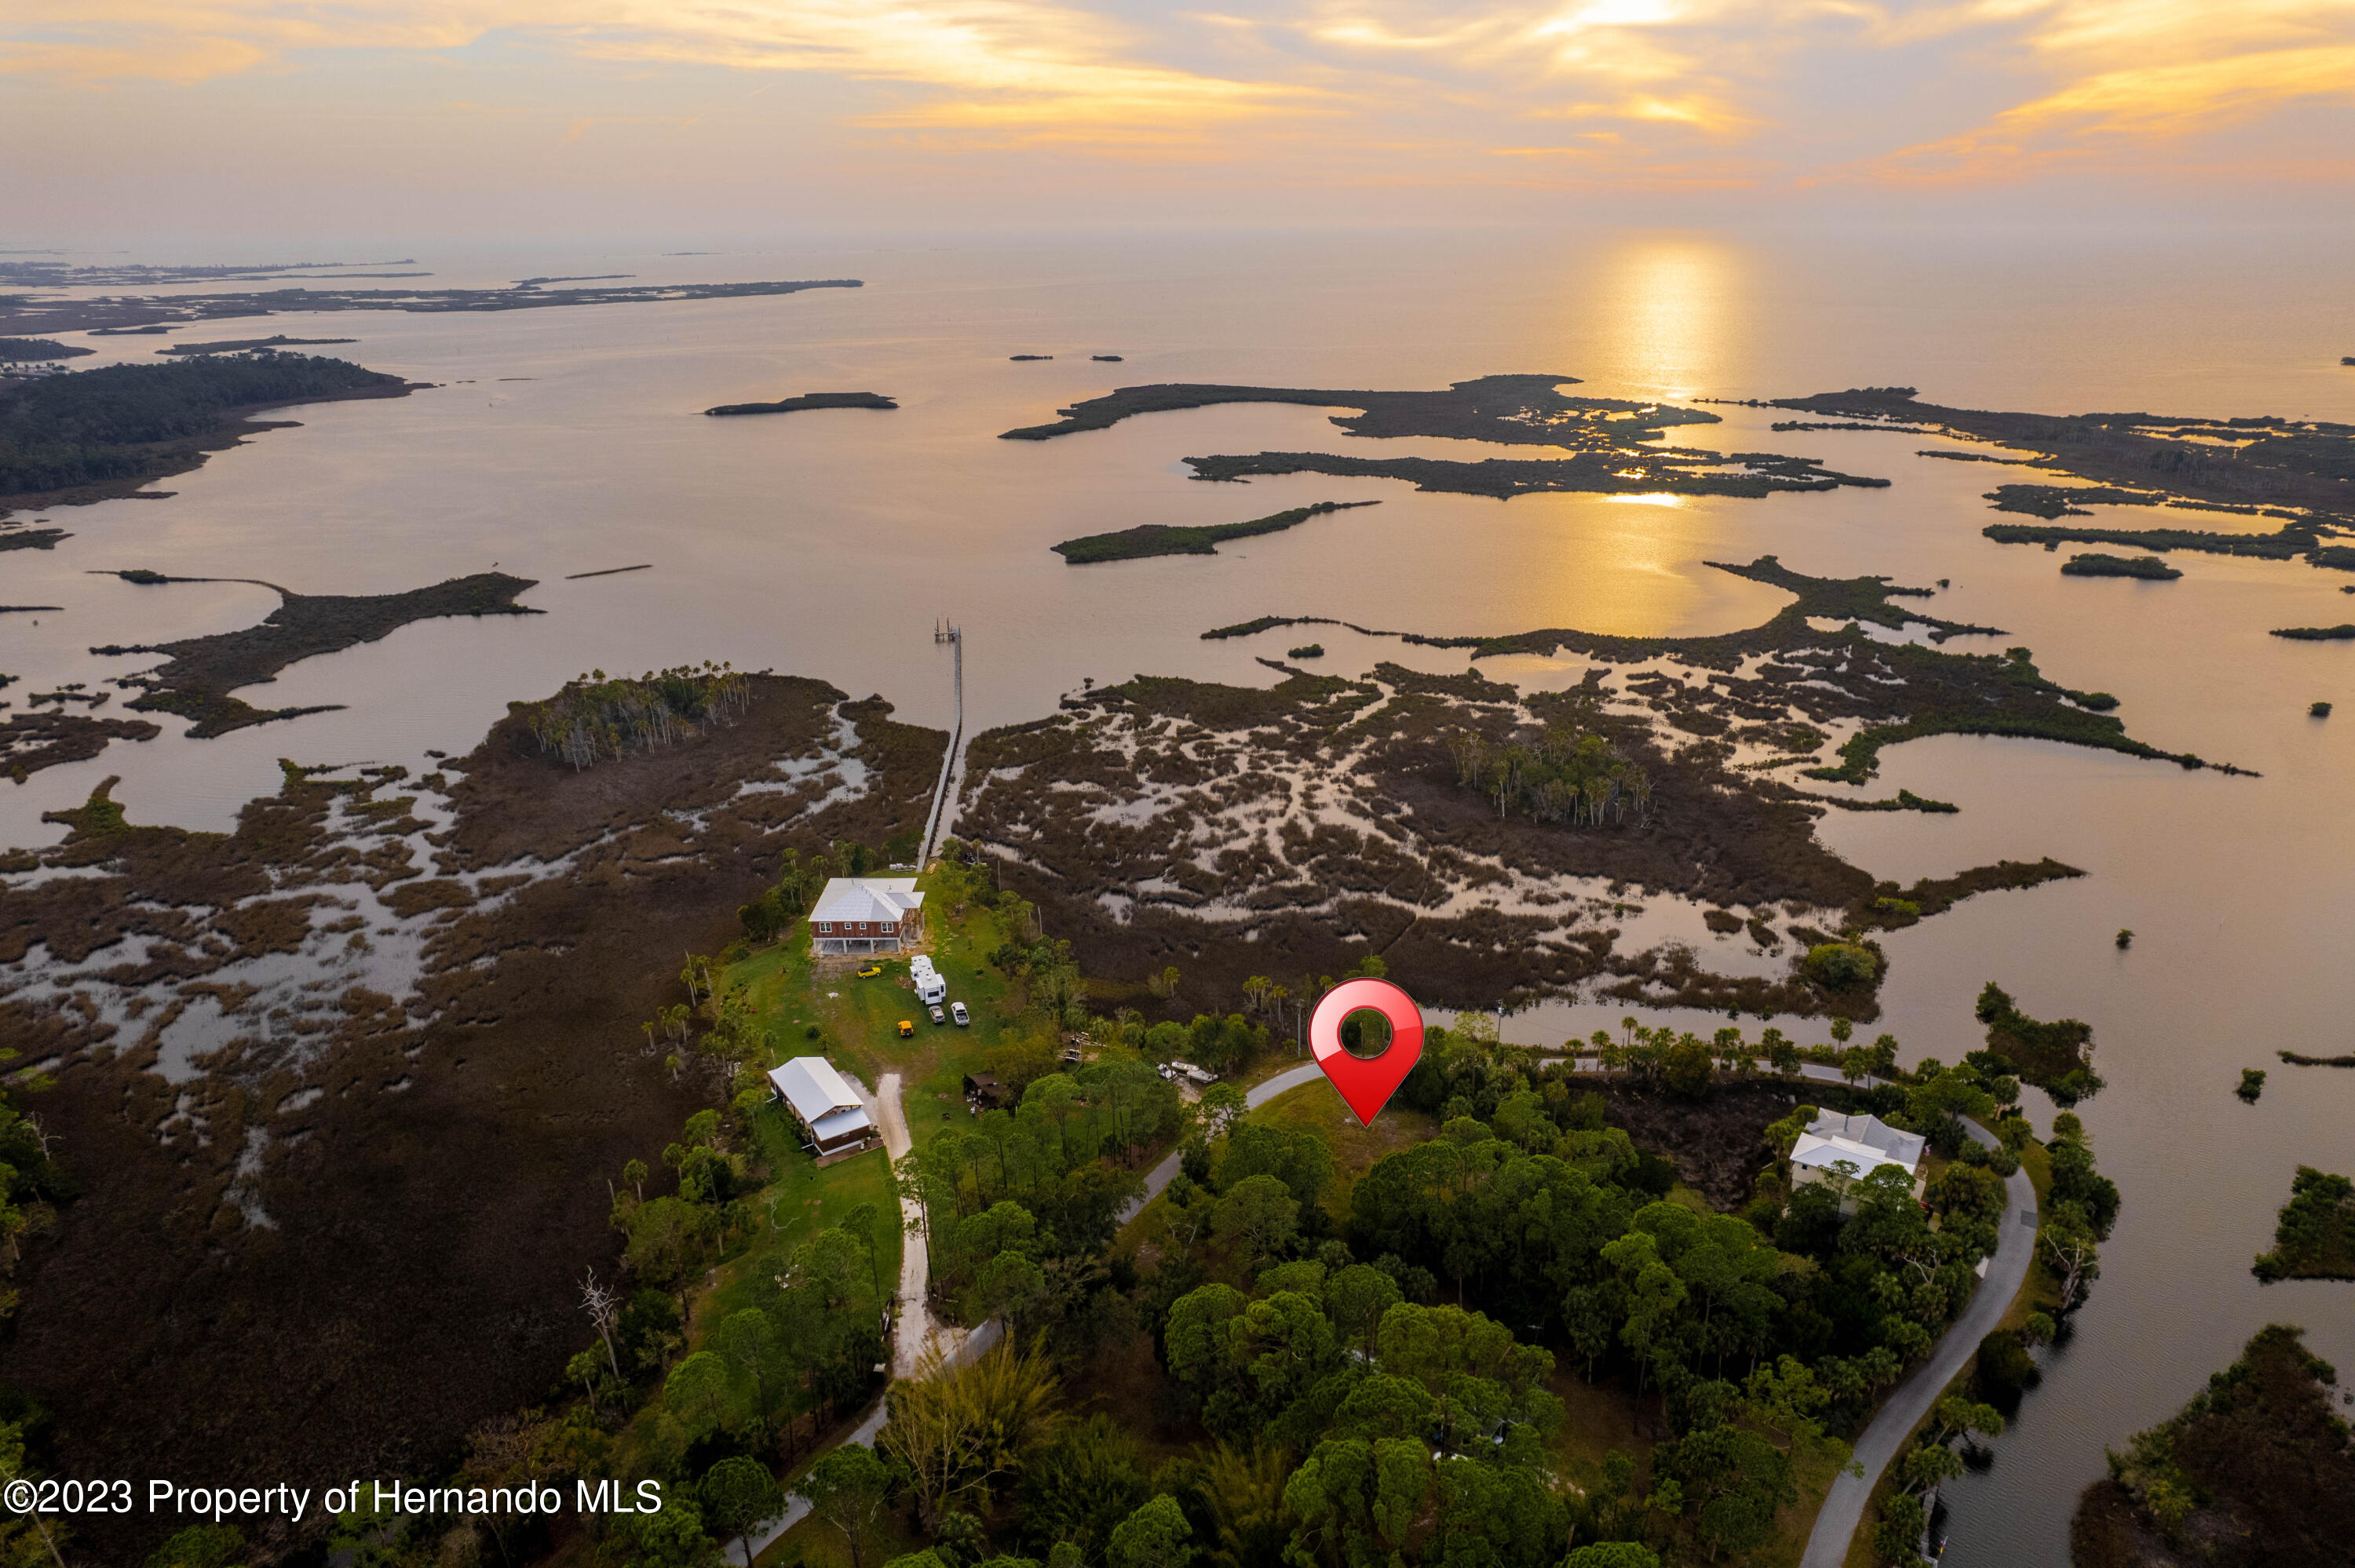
[1257, 1095]
[1843, 1509]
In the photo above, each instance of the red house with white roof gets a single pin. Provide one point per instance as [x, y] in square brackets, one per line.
[867, 915]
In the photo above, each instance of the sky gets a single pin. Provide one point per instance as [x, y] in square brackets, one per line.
[500, 116]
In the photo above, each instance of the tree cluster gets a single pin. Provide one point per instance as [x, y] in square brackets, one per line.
[597, 716]
[1563, 776]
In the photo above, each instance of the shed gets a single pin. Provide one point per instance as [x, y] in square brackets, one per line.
[829, 1112]
[985, 1088]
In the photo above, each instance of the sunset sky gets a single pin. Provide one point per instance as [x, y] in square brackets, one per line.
[477, 115]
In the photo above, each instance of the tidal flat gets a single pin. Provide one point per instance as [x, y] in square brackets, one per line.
[36, 313]
[292, 1058]
[1163, 820]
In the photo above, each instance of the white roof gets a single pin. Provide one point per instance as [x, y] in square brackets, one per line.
[842, 1123]
[867, 898]
[1864, 1142]
[818, 1093]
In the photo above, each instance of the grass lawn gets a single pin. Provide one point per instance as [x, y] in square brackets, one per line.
[1317, 1108]
[799, 1201]
[857, 1020]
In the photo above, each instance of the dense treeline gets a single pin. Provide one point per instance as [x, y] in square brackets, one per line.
[1375, 1381]
[32, 1186]
[2057, 1057]
[1563, 776]
[60, 431]
[1020, 1208]
[2257, 1468]
[2314, 1238]
[599, 716]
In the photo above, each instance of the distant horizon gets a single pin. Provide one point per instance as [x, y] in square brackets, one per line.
[235, 245]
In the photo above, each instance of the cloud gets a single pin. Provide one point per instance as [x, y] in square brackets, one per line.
[1795, 92]
[2126, 78]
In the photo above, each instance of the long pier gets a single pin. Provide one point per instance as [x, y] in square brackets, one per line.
[954, 636]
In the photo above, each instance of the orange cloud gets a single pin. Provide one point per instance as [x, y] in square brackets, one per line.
[2138, 105]
[1440, 85]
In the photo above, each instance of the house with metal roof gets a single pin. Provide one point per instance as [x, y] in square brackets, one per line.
[867, 915]
[1840, 1149]
[831, 1117]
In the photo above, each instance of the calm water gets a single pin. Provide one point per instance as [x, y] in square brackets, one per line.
[564, 441]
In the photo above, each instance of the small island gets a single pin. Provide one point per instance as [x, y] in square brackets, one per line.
[247, 345]
[1520, 409]
[2257, 1464]
[203, 671]
[2057, 1057]
[2298, 539]
[2315, 1236]
[1165, 539]
[2149, 568]
[2134, 460]
[808, 400]
[2343, 633]
[37, 350]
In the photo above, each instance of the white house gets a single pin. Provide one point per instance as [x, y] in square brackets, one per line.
[829, 1112]
[1863, 1143]
[867, 915]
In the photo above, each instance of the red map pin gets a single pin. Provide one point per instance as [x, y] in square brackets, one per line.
[1367, 1083]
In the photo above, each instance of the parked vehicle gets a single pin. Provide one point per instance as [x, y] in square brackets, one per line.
[931, 989]
[939, 1017]
[907, 1030]
[871, 971]
[957, 1011]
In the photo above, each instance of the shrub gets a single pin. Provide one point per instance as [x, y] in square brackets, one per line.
[1841, 965]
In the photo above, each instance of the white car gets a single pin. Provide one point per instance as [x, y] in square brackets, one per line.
[957, 1011]
[938, 1016]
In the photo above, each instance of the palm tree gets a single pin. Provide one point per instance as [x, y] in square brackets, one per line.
[1244, 1490]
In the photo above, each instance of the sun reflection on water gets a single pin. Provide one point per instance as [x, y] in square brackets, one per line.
[1671, 299]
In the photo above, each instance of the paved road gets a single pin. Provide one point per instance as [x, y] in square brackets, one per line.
[1258, 1094]
[1843, 1508]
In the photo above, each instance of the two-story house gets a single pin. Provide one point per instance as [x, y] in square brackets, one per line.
[867, 915]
